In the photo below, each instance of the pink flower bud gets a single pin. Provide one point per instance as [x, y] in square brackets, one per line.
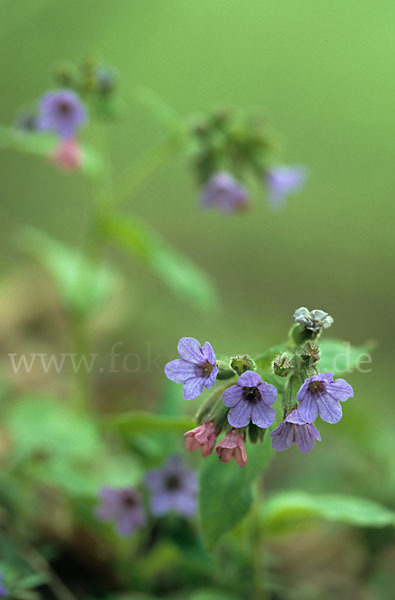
[232, 446]
[203, 437]
[67, 155]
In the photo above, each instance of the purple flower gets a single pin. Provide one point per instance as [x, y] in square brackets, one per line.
[283, 181]
[321, 395]
[195, 369]
[224, 192]
[295, 430]
[124, 507]
[62, 113]
[3, 589]
[250, 400]
[173, 488]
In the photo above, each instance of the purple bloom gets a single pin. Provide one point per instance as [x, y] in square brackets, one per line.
[195, 369]
[173, 488]
[124, 507]
[295, 430]
[250, 400]
[283, 181]
[61, 112]
[224, 192]
[3, 589]
[321, 395]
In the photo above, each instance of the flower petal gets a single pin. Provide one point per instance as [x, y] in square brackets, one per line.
[232, 395]
[303, 440]
[262, 415]
[282, 436]
[314, 432]
[240, 415]
[193, 388]
[249, 379]
[308, 408]
[330, 410]
[268, 392]
[179, 370]
[189, 349]
[208, 353]
[340, 390]
[210, 380]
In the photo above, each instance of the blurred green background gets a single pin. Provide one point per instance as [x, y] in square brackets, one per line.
[323, 75]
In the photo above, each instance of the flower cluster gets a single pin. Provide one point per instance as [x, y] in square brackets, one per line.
[231, 145]
[173, 488]
[245, 406]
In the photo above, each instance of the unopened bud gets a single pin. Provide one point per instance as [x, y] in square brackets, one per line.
[241, 364]
[284, 364]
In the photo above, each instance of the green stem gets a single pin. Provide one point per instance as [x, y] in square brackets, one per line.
[259, 589]
[136, 175]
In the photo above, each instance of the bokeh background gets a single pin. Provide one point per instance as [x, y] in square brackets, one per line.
[323, 75]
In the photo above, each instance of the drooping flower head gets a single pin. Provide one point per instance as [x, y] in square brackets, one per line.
[3, 589]
[203, 437]
[232, 446]
[195, 369]
[314, 320]
[67, 155]
[224, 192]
[295, 430]
[282, 181]
[61, 112]
[124, 507]
[173, 488]
[250, 400]
[321, 395]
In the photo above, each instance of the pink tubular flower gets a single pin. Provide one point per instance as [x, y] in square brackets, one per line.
[67, 155]
[232, 446]
[203, 437]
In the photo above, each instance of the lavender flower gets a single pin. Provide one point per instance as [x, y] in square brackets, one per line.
[295, 430]
[224, 192]
[282, 181]
[124, 507]
[62, 113]
[250, 400]
[203, 437]
[313, 320]
[3, 589]
[321, 395]
[195, 369]
[232, 446]
[173, 488]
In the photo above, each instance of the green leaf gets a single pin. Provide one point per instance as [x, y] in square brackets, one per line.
[340, 357]
[83, 287]
[286, 509]
[184, 278]
[264, 361]
[225, 491]
[137, 422]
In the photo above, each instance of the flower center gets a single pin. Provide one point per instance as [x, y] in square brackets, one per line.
[173, 482]
[64, 108]
[207, 369]
[316, 387]
[251, 395]
[129, 501]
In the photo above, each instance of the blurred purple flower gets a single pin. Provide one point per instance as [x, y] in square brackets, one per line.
[3, 589]
[321, 395]
[232, 446]
[195, 369]
[61, 112]
[250, 400]
[282, 181]
[124, 507]
[173, 488]
[224, 192]
[203, 437]
[295, 430]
